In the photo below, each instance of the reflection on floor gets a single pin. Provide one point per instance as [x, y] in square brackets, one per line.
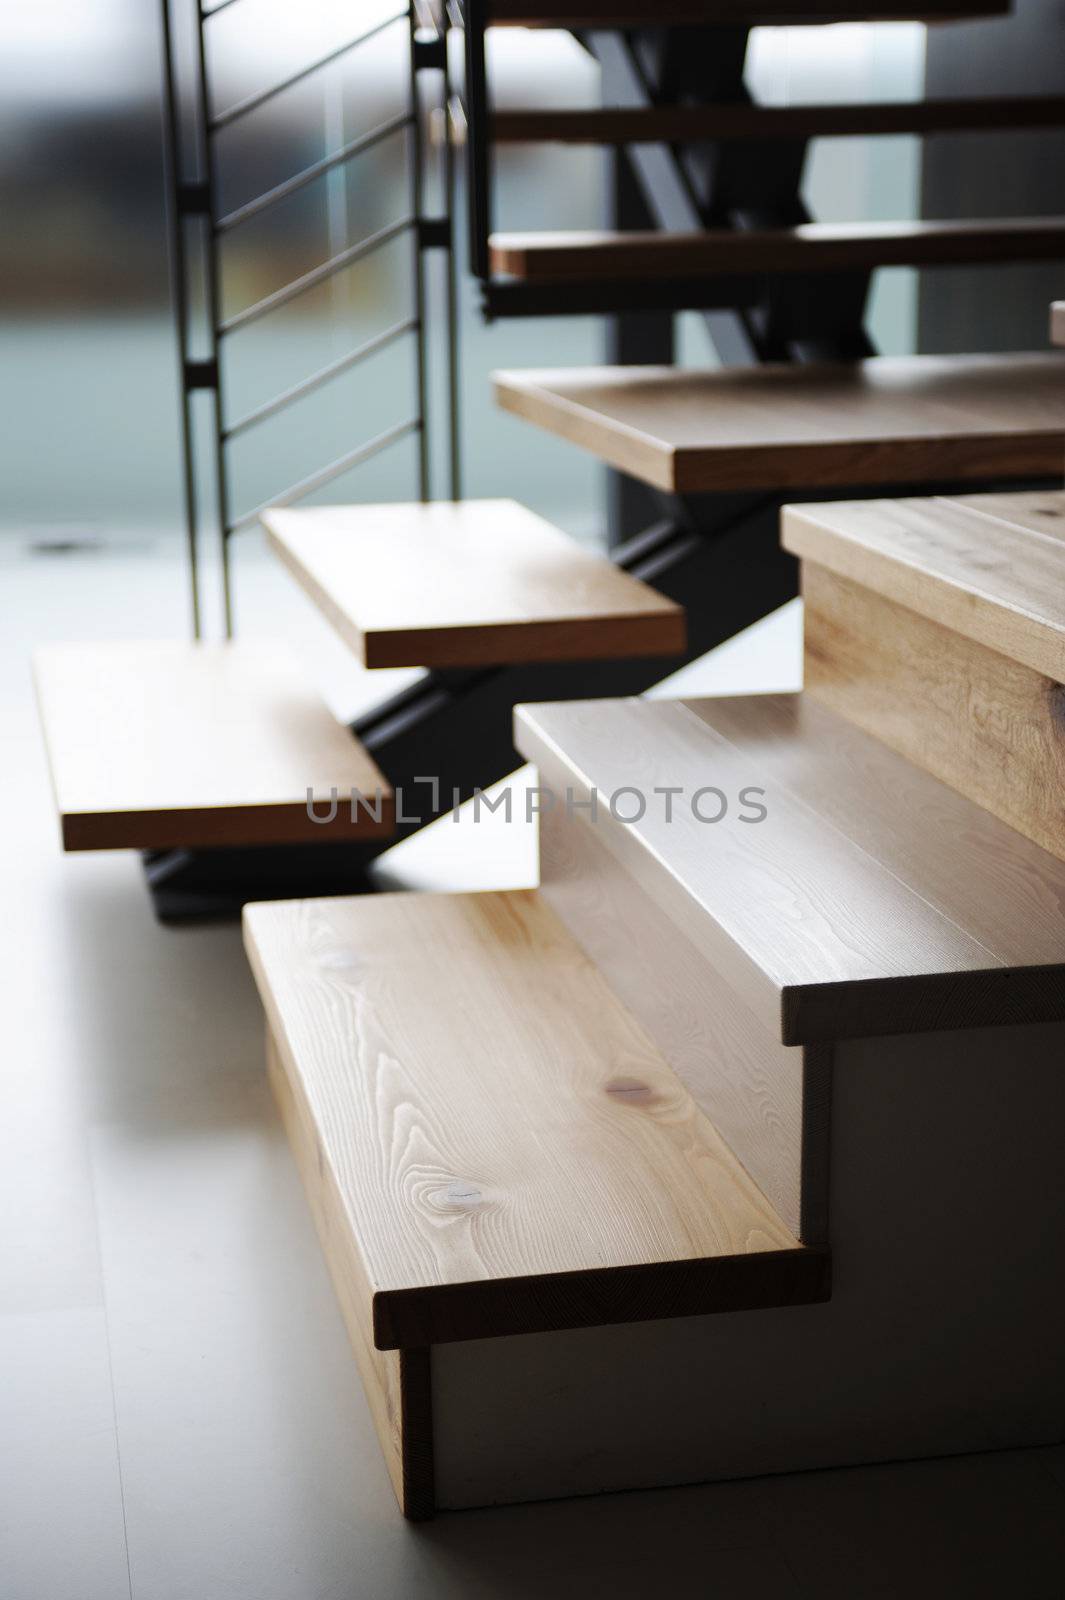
[179, 1413]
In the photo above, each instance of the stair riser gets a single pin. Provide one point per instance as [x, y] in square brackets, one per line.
[749, 1085]
[932, 1343]
[990, 727]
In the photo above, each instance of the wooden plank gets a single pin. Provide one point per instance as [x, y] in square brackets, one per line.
[632, 13]
[986, 725]
[749, 1084]
[169, 745]
[512, 1153]
[885, 420]
[819, 938]
[1057, 322]
[998, 582]
[483, 582]
[607, 125]
[397, 1382]
[810, 247]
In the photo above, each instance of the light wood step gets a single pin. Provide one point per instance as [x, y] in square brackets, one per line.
[810, 247]
[160, 745]
[1057, 322]
[885, 420]
[633, 13]
[476, 583]
[669, 124]
[939, 626]
[824, 923]
[491, 1145]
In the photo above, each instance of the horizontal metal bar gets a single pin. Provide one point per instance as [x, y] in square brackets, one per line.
[318, 169]
[380, 341]
[254, 101]
[309, 280]
[679, 124]
[318, 480]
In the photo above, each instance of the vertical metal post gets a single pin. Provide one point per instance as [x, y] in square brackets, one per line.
[172, 159]
[454, 373]
[478, 139]
[416, 165]
[207, 177]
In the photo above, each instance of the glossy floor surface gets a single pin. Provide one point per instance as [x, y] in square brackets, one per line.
[180, 1417]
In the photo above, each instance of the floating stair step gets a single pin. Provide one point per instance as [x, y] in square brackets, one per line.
[631, 13]
[939, 626]
[478, 583]
[885, 420]
[1057, 322]
[170, 745]
[810, 247]
[492, 1146]
[610, 125]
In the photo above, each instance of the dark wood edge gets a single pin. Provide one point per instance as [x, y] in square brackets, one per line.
[656, 633]
[496, 1308]
[815, 1154]
[416, 1435]
[923, 1003]
[205, 828]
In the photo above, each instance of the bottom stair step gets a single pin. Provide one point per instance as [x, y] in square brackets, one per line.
[166, 745]
[491, 1144]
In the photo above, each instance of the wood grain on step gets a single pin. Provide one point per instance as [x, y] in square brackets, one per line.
[512, 1151]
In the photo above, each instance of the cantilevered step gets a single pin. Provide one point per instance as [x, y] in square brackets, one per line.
[939, 626]
[1057, 322]
[492, 1146]
[476, 583]
[810, 247]
[885, 420]
[669, 124]
[169, 745]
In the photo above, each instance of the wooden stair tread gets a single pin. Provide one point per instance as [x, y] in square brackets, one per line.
[990, 567]
[883, 420]
[872, 899]
[476, 583]
[629, 13]
[159, 745]
[810, 247]
[681, 124]
[507, 1150]
[1057, 322]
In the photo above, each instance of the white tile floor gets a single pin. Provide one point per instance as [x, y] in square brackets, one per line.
[179, 1414]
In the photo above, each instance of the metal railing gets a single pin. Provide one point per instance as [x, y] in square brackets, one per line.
[197, 238]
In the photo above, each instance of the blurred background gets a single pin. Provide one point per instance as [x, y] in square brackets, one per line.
[89, 448]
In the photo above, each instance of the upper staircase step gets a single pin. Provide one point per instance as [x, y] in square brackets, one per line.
[669, 124]
[989, 567]
[870, 898]
[492, 1144]
[474, 583]
[632, 13]
[169, 745]
[810, 247]
[884, 420]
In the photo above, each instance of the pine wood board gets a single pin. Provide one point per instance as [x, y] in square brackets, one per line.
[988, 726]
[512, 1153]
[158, 745]
[478, 583]
[884, 420]
[991, 569]
[604, 256]
[820, 937]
